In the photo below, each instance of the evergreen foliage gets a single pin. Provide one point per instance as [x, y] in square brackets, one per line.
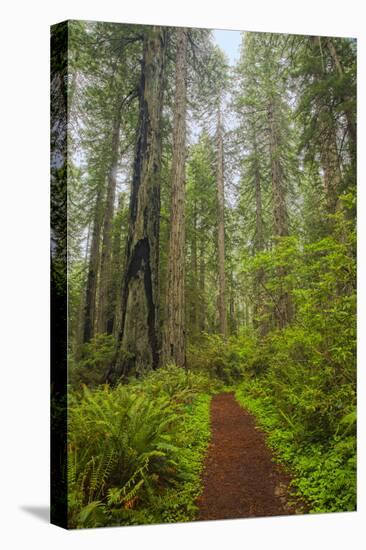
[275, 257]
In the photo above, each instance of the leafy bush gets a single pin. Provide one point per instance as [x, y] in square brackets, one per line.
[305, 397]
[325, 471]
[134, 451]
[226, 360]
[93, 364]
[174, 382]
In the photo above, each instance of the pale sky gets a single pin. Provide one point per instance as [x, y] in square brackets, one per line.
[229, 41]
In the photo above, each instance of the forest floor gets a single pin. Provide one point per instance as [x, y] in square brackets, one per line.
[240, 477]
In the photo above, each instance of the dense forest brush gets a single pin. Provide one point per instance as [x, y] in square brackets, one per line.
[136, 451]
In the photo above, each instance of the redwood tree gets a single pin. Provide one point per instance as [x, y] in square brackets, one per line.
[174, 333]
[137, 341]
[221, 224]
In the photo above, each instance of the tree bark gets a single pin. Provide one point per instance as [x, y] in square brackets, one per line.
[104, 306]
[329, 157]
[280, 216]
[194, 301]
[259, 238]
[258, 306]
[81, 312]
[221, 225]
[202, 297]
[283, 312]
[118, 257]
[331, 170]
[349, 115]
[232, 309]
[137, 342]
[94, 257]
[174, 333]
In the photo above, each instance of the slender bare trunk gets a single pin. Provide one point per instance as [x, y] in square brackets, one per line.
[258, 306]
[348, 112]
[94, 258]
[81, 312]
[202, 300]
[331, 170]
[329, 157]
[283, 312]
[174, 333]
[278, 189]
[221, 225]
[259, 239]
[335, 180]
[232, 309]
[114, 317]
[194, 302]
[104, 308]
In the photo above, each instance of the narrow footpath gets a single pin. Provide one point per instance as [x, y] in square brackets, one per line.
[240, 478]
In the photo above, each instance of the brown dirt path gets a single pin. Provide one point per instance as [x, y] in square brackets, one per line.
[240, 478]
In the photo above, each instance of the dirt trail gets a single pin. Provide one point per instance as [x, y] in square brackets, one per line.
[240, 478]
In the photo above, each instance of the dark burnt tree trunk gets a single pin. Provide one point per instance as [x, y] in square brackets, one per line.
[137, 340]
[221, 225]
[174, 332]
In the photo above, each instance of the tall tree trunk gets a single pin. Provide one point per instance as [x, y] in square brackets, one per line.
[137, 342]
[259, 236]
[174, 333]
[232, 310]
[280, 215]
[258, 306]
[246, 310]
[329, 157]
[348, 113]
[114, 315]
[283, 311]
[202, 300]
[194, 302]
[94, 258]
[104, 306]
[221, 225]
[81, 312]
[332, 176]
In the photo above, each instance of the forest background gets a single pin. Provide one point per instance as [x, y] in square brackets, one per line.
[37, 303]
[210, 229]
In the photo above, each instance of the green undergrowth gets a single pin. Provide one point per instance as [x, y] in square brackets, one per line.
[324, 471]
[135, 452]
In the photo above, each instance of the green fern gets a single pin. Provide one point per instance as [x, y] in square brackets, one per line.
[128, 446]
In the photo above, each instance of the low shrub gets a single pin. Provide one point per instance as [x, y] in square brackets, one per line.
[324, 470]
[93, 362]
[135, 451]
[227, 360]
